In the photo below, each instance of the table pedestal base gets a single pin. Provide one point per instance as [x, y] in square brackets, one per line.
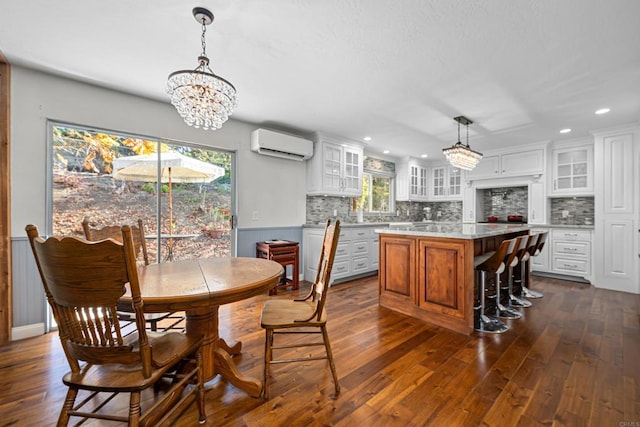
[216, 353]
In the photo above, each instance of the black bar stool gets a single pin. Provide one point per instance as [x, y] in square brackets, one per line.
[511, 259]
[533, 250]
[491, 262]
[521, 255]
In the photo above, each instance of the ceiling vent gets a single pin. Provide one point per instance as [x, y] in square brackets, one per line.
[281, 145]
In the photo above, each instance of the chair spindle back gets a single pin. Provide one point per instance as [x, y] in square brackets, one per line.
[83, 282]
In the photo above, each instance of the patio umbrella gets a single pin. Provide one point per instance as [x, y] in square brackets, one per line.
[174, 167]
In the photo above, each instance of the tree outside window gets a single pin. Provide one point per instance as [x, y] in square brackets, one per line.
[377, 193]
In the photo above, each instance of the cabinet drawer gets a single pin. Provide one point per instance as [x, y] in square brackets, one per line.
[360, 247]
[571, 266]
[342, 251]
[581, 235]
[360, 233]
[572, 248]
[340, 269]
[360, 265]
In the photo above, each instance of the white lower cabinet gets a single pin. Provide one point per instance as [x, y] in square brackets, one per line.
[374, 252]
[540, 262]
[571, 253]
[357, 252]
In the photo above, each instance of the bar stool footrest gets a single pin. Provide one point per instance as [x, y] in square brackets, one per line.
[528, 293]
[492, 326]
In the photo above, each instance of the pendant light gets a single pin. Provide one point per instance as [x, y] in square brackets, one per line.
[203, 99]
[460, 155]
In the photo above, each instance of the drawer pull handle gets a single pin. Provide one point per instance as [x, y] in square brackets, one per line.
[570, 249]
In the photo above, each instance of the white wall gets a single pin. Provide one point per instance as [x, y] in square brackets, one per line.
[276, 188]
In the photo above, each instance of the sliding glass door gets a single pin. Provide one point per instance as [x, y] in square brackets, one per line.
[183, 193]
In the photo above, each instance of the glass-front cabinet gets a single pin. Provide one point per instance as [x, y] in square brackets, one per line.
[446, 183]
[336, 167]
[573, 171]
[332, 176]
[412, 180]
[352, 170]
[418, 181]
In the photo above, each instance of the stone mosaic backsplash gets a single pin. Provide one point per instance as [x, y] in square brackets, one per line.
[502, 202]
[371, 163]
[319, 208]
[572, 210]
[578, 210]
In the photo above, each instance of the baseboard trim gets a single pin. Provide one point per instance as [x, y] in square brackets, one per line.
[560, 276]
[27, 331]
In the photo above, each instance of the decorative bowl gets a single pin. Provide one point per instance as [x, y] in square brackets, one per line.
[492, 219]
[514, 218]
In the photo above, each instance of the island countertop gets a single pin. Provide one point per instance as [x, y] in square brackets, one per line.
[453, 230]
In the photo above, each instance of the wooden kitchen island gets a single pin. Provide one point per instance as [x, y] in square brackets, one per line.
[426, 270]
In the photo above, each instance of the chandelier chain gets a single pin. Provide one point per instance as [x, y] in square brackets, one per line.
[203, 39]
[467, 135]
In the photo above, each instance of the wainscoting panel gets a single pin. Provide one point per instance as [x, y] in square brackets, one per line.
[29, 301]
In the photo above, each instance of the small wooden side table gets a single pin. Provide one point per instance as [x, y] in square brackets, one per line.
[285, 253]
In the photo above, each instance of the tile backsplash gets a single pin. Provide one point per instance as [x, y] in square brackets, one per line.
[501, 202]
[572, 210]
[319, 208]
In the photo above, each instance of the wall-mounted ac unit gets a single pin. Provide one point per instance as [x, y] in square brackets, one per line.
[278, 144]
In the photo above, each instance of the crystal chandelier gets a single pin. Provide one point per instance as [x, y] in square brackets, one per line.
[460, 155]
[202, 99]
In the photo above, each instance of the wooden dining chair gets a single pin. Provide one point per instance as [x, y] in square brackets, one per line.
[303, 316]
[93, 234]
[114, 232]
[83, 282]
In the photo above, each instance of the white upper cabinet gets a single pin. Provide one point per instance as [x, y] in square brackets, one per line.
[573, 171]
[446, 183]
[523, 162]
[537, 203]
[336, 167]
[488, 167]
[412, 180]
[469, 207]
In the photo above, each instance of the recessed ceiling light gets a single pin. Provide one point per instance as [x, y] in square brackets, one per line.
[567, 130]
[603, 111]
[385, 152]
[367, 138]
[424, 155]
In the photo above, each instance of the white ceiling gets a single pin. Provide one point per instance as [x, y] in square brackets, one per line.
[398, 71]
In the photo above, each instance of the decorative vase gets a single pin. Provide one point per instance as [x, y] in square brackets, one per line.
[360, 217]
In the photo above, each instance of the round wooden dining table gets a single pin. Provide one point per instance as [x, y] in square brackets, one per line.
[199, 287]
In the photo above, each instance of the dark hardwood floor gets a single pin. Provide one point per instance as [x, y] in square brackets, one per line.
[573, 359]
